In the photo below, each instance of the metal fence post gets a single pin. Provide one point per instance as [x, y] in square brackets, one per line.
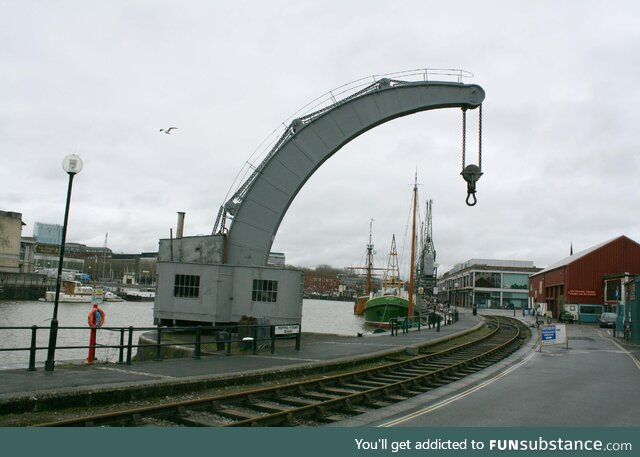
[196, 349]
[32, 349]
[158, 345]
[254, 343]
[121, 350]
[129, 345]
[272, 332]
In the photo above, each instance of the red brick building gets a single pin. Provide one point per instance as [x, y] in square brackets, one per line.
[593, 276]
[322, 285]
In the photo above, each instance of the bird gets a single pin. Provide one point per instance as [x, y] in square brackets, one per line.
[168, 131]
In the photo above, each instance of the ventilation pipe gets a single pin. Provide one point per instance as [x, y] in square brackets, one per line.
[180, 229]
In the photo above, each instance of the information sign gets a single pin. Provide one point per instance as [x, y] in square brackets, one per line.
[553, 334]
[287, 329]
[97, 297]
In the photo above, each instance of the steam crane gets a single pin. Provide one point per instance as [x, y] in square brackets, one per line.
[427, 268]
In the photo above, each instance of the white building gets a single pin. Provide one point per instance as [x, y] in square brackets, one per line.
[487, 283]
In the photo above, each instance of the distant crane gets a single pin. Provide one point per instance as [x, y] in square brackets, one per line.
[426, 268]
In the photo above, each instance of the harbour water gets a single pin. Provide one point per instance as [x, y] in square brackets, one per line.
[318, 316]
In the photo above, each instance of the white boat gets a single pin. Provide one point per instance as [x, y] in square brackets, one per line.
[110, 296]
[71, 292]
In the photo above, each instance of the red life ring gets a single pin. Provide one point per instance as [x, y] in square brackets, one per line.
[95, 317]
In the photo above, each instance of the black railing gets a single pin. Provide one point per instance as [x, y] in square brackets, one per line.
[242, 337]
[432, 319]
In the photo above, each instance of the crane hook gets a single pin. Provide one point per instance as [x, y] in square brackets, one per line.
[471, 174]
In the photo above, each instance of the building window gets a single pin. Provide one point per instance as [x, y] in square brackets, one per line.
[515, 281]
[187, 286]
[488, 280]
[515, 300]
[487, 299]
[614, 287]
[264, 290]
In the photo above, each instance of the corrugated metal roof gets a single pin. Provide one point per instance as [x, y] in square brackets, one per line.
[572, 258]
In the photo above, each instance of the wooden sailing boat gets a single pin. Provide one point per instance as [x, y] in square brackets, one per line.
[358, 307]
[379, 311]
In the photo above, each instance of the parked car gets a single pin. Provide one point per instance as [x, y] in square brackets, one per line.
[607, 320]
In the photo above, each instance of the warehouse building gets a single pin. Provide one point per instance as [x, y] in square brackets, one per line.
[589, 282]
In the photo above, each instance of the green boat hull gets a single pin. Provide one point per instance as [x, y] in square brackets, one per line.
[380, 310]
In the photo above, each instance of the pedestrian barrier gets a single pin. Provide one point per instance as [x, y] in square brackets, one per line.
[201, 338]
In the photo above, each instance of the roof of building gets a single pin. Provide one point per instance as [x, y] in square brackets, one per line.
[578, 255]
[492, 263]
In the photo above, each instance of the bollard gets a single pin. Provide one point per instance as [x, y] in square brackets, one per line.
[196, 349]
[129, 345]
[32, 349]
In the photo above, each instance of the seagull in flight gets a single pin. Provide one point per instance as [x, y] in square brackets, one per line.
[168, 131]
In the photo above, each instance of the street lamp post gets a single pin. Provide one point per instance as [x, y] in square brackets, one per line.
[72, 164]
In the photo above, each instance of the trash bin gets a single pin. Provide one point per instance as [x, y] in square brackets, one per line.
[247, 343]
[475, 310]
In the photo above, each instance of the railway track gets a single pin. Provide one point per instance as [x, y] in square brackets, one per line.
[329, 399]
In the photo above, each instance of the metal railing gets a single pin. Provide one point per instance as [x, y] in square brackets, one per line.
[432, 319]
[244, 337]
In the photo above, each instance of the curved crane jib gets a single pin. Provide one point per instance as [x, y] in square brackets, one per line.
[311, 140]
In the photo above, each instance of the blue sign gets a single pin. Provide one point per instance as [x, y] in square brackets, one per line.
[548, 332]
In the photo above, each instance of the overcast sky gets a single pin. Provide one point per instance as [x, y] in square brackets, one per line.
[100, 78]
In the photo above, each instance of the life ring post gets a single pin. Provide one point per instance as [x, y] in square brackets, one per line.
[95, 320]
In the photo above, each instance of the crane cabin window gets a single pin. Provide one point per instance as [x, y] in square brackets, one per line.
[264, 290]
[187, 286]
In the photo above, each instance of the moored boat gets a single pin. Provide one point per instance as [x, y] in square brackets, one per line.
[359, 305]
[71, 292]
[140, 295]
[110, 296]
[379, 311]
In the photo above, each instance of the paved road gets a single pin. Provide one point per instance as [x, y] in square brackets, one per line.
[593, 383]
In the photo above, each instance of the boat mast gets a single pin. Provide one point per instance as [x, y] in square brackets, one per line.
[413, 246]
[104, 256]
[369, 258]
[392, 274]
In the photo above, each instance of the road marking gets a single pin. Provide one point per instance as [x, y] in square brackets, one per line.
[633, 357]
[140, 373]
[458, 396]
